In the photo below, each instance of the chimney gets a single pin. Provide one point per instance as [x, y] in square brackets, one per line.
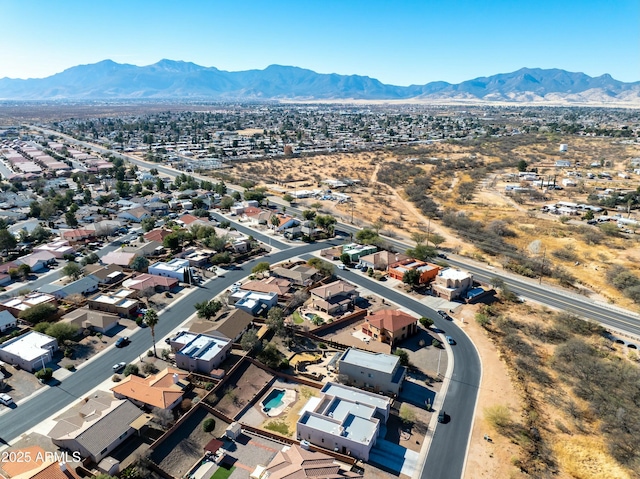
[63, 466]
[176, 378]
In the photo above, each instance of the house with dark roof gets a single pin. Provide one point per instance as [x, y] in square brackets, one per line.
[97, 426]
[335, 297]
[380, 260]
[390, 326]
[98, 321]
[300, 275]
[7, 321]
[136, 214]
[86, 285]
[377, 372]
[230, 324]
[280, 286]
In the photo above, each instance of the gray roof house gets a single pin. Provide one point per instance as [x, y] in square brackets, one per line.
[87, 285]
[97, 426]
[378, 372]
[7, 321]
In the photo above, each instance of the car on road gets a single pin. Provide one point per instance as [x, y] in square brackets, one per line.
[450, 340]
[342, 266]
[122, 342]
[444, 315]
[442, 417]
[119, 367]
[5, 399]
[442, 255]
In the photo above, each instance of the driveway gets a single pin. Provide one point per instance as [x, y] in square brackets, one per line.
[393, 458]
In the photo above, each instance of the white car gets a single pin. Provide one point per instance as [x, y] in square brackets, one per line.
[5, 399]
[119, 367]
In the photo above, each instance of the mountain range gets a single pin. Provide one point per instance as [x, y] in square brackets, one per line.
[178, 80]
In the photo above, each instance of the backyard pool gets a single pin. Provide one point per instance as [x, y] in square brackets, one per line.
[273, 400]
[310, 316]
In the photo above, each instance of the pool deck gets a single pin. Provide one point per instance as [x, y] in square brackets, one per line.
[288, 399]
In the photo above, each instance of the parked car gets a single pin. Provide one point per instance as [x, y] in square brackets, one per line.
[444, 315]
[122, 342]
[450, 340]
[119, 367]
[442, 417]
[342, 266]
[5, 399]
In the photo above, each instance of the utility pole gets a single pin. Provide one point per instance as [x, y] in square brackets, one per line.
[544, 252]
[439, 356]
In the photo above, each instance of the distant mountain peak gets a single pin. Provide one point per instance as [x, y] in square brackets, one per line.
[176, 79]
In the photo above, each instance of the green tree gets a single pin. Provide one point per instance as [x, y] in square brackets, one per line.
[308, 215]
[345, 258]
[249, 340]
[436, 239]
[419, 237]
[208, 309]
[24, 270]
[226, 203]
[367, 236]
[422, 252]
[91, 258]
[148, 224]
[288, 198]
[426, 322]
[275, 320]
[62, 331]
[261, 267]
[7, 241]
[40, 234]
[73, 270]
[403, 355]
[522, 165]
[130, 369]
[411, 277]
[70, 219]
[152, 318]
[140, 263]
[38, 313]
[324, 267]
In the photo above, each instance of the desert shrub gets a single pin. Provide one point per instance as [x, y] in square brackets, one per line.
[514, 342]
[208, 425]
[279, 426]
[44, 374]
[131, 369]
[149, 368]
[498, 416]
[406, 414]
[116, 378]
[483, 320]
[566, 253]
[563, 276]
[576, 325]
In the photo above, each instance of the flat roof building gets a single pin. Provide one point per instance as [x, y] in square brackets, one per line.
[200, 352]
[345, 420]
[378, 372]
[30, 351]
[176, 268]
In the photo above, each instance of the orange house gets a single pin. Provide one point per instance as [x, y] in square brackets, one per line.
[390, 326]
[428, 271]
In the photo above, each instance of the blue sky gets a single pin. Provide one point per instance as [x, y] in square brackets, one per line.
[399, 42]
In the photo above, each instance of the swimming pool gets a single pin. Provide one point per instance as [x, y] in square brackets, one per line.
[273, 400]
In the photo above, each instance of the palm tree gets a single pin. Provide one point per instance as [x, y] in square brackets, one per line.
[151, 318]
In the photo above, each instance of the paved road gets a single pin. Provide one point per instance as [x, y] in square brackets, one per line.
[47, 404]
[447, 453]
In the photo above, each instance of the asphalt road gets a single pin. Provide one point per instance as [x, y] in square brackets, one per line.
[47, 404]
[447, 453]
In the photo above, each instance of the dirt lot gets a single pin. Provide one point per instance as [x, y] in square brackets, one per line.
[179, 452]
[19, 384]
[246, 382]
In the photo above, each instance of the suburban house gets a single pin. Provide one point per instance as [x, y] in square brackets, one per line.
[163, 390]
[18, 304]
[158, 235]
[176, 268]
[280, 286]
[7, 321]
[146, 281]
[427, 271]
[118, 258]
[31, 351]
[452, 283]
[334, 297]
[119, 302]
[199, 352]
[378, 372]
[136, 214]
[37, 261]
[356, 251]
[79, 235]
[389, 326]
[86, 285]
[47, 469]
[97, 425]
[109, 274]
[150, 248]
[89, 319]
[295, 462]
[381, 260]
[231, 325]
[346, 420]
[57, 248]
[254, 303]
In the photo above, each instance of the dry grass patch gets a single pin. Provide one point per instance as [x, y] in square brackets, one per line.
[585, 457]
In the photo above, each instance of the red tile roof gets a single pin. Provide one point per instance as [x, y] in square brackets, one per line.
[391, 320]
